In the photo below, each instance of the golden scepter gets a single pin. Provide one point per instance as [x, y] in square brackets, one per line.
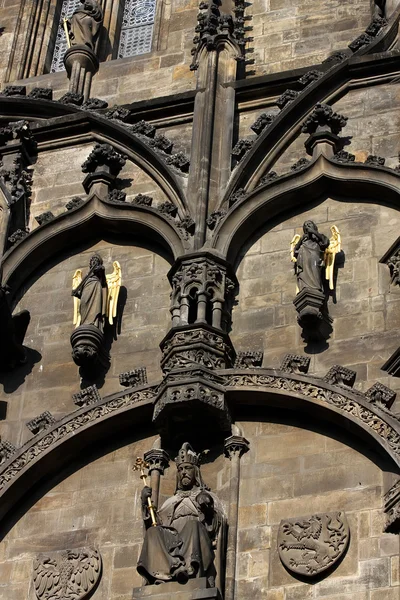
[65, 21]
[141, 465]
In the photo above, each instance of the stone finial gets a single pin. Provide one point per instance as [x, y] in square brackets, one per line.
[248, 359]
[381, 395]
[157, 459]
[323, 117]
[295, 363]
[338, 375]
[89, 395]
[103, 156]
[41, 422]
[45, 217]
[133, 378]
[6, 451]
[235, 445]
[263, 121]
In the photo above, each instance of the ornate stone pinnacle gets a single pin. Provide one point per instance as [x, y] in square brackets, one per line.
[235, 445]
[157, 460]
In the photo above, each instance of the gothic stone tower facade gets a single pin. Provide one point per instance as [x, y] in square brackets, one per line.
[219, 184]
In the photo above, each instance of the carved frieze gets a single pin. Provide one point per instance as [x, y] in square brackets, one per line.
[66, 575]
[310, 545]
[41, 422]
[295, 363]
[134, 378]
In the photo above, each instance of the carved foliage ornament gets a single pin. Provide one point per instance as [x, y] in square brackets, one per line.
[67, 575]
[310, 545]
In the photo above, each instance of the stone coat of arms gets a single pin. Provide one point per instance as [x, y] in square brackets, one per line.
[310, 545]
[66, 575]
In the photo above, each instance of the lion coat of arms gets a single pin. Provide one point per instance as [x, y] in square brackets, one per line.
[310, 545]
[66, 575]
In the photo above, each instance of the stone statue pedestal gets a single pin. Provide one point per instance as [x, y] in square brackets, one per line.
[313, 316]
[81, 64]
[87, 343]
[194, 589]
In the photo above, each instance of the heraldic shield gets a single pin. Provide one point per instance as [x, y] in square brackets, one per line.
[66, 575]
[310, 545]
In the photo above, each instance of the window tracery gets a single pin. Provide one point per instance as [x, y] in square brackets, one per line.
[137, 27]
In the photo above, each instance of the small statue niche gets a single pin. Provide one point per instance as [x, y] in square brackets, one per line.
[95, 304]
[314, 255]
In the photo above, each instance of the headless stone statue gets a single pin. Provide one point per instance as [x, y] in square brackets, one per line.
[84, 25]
[183, 543]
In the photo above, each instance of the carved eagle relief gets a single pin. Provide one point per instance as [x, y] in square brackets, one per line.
[66, 575]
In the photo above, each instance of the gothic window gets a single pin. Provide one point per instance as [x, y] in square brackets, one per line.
[60, 47]
[137, 27]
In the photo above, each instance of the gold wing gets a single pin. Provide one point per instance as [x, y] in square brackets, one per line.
[113, 286]
[293, 246]
[334, 247]
[76, 280]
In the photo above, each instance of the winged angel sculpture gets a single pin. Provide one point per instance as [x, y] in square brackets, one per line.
[312, 254]
[95, 303]
[67, 575]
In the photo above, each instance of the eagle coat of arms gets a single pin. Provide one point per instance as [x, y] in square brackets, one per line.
[310, 545]
[66, 575]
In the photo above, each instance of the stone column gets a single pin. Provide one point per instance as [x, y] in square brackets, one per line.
[235, 446]
[81, 64]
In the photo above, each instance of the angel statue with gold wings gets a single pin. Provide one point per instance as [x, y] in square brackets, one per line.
[96, 295]
[312, 253]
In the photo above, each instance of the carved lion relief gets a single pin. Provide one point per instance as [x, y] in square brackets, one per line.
[66, 575]
[310, 545]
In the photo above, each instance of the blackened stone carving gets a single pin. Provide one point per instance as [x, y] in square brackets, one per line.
[41, 93]
[323, 117]
[271, 176]
[85, 24]
[73, 98]
[104, 157]
[187, 226]
[241, 148]
[376, 161]
[394, 267]
[13, 330]
[142, 200]
[380, 395]
[133, 378]
[375, 26]
[18, 130]
[392, 509]
[6, 451]
[116, 196]
[74, 203]
[336, 57]
[294, 363]
[168, 208]
[144, 128]
[310, 77]
[299, 165]
[160, 142]
[248, 359]
[235, 445]
[183, 544]
[66, 575]
[338, 375]
[344, 157]
[286, 98]
[310, 545]
[18, 235]
[157, 460]
[14, 90]
[215, 217]
[89, 395]
[94, 104]
[45, 217]
[237, 196]
[118, 113]
[179, 161]
[41, 422]
[362, 40]
[263, 121]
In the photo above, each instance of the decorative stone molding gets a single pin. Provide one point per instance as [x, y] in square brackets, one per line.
[215, 217]
[89, 395]
[240, 149]
[6, 451]
[14, 90]
[237, 196]
[248, 359]
[67, 574]
[75, 202]
[143, 128]
[18, 235]
[375, 161]
[338, 375]
[392, 365]
[103, 156]
[116, 196]
[160, 142]
[142, 200]
[187, 226]
[157, 460]
[179, 161]
[344, 157]
[262, 122]
[45, 217]
[94, 104]
[41, 422]
[380, 395]
[39, 93]
[286, 98]
[235, 445]
[373, 29]
[271, 176]
[168, 208]
[375, 26]
[72, 98]
[133, 378]
[302, 163]
[309, 77]
[392, 509]
[295, 363]
[119, 113]
[336, 57]
[324, 117]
